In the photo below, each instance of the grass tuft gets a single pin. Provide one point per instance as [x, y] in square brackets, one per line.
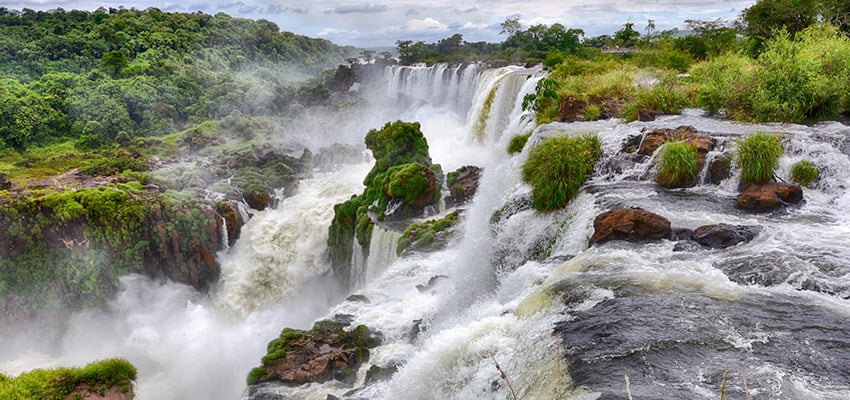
[557, 167]
[518, 143]
[804, 172]
[679, 165]
[757, 155]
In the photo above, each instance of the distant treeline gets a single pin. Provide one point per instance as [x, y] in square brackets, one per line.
[89, 76]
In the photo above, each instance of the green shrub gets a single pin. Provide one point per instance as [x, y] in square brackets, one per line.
[518, 143]
[59, 383]
[557, 167]
[804, 172]
[679, 165]
[756, 156]
[592, 112]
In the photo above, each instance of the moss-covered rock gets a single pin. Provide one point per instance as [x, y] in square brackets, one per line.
[327, 351]
[402, 184]
[429, 235]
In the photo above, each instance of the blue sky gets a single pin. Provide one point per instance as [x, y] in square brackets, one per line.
[367, 23]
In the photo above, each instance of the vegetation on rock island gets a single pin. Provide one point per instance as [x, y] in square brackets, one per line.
[327, 351]
[757, 155]
[557, 167]
[70, 383]
[678, 166]
[425, 234]
[402, 183]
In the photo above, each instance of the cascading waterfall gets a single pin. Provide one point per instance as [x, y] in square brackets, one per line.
[562, 319]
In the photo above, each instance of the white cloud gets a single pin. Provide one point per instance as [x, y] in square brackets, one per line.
[427, 24]
[470, 25]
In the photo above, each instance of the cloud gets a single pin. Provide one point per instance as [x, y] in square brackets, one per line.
[360, 8]
[471, 25]
[422, 25]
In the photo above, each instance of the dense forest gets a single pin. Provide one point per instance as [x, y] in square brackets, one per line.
[90, 76]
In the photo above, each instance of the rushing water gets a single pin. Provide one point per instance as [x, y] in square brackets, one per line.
[526, 294]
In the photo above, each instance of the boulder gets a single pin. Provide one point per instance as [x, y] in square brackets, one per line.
[629, 224]
[463, 184]
[257, 199]
[769, 196]
[721, 236]
[720, 168]
[654, 139]
[326, 352]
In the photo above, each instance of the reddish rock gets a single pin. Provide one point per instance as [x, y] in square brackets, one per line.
[258, 199]
[232, 220]
[655, 139]
[770, 196]
[463, 188]
[631, 225]
[100, 392]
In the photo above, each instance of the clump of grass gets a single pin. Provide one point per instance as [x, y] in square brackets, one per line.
[60, 383]
[804, 172]
[757, 155]
[592, 112]
[679, 165]
[557, 168]
[518, 143]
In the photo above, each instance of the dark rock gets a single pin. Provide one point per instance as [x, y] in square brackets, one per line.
[5, 184]
[632, 144]
[232, 220]
[376, 374]
[631, 225]
[257, 199]
[681, 234]
[647, 115]
[720, 168]
[768, 197]
[721, 236]
[463, 184]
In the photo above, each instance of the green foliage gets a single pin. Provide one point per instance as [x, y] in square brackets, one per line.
[518, 143]
[757, 155]
[627, 36]
[58, 384]
[767, 17]
[804, 172]
[396, 143]
[410, 182]
[544, 101]
[665, 97]
[679, 165]
[557, 167]
[421, 235]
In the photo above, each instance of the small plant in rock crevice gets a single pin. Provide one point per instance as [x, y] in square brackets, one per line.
[804, 172]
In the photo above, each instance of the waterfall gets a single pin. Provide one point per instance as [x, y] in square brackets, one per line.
[382, 251]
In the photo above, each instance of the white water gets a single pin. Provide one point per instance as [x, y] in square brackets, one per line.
[485, 299]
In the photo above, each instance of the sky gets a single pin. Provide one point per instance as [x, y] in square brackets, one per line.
[374, 23]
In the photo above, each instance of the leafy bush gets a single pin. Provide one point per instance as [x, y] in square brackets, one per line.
[756, 156]
[557, 167]
[518, 143]
[679, 165]
[804, 172]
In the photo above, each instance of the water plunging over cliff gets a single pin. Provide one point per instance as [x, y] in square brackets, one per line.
[563, 321]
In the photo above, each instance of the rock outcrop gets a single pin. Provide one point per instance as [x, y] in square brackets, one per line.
[326, 352]
[629, 224]
[769, 196]
[462, 184]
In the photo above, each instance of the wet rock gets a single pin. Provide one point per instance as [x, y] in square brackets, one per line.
[431, 282]
[232, 220]
[720, 169]
[768, 197]
[326, 352]
[462, 184]
[257, 199]
[654, 139]
[721, 236]
[377, 374]
[646, 115]
[631, 225]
